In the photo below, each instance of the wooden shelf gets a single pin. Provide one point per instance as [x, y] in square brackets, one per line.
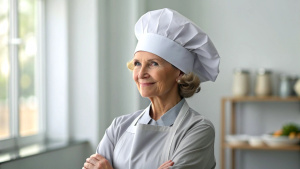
[249, 147]
[233, 101]
[261, 99]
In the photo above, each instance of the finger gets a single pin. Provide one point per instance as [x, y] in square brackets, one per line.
[92, 160]
[100, 161]
[171, 163]
[97, 156]
[167, 164]
[104, 163]
[107, 164]
[88, 165]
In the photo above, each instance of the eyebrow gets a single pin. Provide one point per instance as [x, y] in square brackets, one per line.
[149, 60]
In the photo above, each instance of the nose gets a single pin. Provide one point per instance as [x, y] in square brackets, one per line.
[143, 73]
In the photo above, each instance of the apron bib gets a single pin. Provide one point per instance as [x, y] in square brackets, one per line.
[146, 146]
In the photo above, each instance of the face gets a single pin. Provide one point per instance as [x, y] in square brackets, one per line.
[154, 76]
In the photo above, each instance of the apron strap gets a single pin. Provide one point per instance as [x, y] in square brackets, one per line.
[181, 116]
[132, 127]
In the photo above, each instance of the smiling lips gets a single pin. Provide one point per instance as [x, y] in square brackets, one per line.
[146, 84]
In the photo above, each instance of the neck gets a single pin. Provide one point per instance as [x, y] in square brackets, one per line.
[161, 105]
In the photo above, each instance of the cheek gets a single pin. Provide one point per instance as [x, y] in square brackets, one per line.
[135, 76]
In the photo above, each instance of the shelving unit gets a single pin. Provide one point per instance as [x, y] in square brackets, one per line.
[233, 101]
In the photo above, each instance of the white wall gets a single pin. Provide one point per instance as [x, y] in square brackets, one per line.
[57, 69]
[119, 46]
[84, 70]
[72, 71]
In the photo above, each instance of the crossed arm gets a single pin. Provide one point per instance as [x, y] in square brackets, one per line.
[194, 151]
[106, 147]
[97, 161]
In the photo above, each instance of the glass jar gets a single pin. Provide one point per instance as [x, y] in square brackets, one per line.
[285, 87]
[297, 87]
[294, 79]
[240, 85]
[263, 86]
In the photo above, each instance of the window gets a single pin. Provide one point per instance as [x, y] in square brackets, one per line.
[21, 72]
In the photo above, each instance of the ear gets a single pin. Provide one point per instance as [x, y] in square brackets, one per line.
[180, 75]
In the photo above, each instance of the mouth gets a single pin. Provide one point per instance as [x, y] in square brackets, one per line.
[146, 84]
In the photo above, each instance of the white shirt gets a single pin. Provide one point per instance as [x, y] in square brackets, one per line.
[165, 120]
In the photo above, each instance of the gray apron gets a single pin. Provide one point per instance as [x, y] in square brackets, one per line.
[146, 146]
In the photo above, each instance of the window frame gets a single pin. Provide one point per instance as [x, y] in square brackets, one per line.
[15, 140]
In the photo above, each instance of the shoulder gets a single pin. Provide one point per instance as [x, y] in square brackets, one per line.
[196, 119]
[121, 123]
[125, 119]
[195, 130]
[196, 124]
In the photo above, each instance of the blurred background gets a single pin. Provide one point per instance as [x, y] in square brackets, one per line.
[63, 75]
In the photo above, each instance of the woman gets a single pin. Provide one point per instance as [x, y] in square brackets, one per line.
[171, 58]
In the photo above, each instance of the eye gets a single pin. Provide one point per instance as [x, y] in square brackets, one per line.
[136, 63]
[154, 64]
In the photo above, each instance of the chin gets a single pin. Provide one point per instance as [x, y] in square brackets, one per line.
[145, 94]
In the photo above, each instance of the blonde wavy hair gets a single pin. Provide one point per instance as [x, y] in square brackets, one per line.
[188, 84]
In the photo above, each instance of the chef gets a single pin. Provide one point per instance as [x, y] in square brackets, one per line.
[172, 57]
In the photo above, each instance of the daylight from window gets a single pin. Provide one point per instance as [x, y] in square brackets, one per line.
[26, 54]
[27, 61]
[4, 70]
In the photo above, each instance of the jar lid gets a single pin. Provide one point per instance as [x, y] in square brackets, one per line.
[263, 71]
[241, 71]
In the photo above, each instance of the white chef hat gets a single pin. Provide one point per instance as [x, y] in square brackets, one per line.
[179, 41]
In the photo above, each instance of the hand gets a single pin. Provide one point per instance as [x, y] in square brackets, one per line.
[166, 165]
[96, 161]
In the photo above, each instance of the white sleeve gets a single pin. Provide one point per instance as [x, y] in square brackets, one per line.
[108, 142]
